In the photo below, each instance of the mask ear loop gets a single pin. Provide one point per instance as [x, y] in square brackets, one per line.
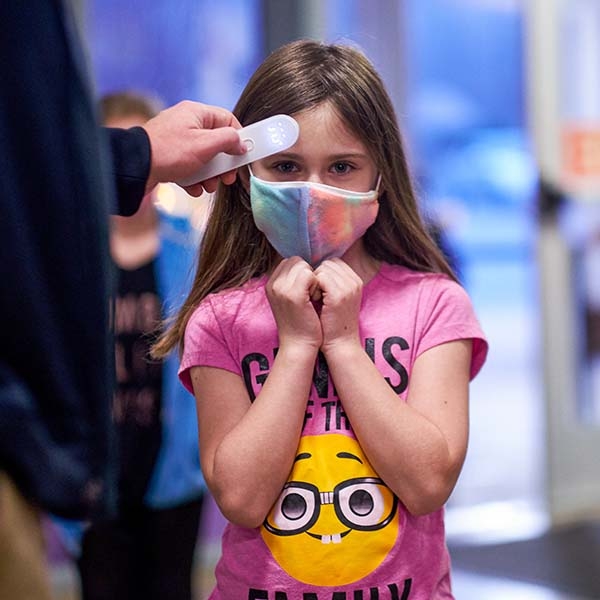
[378, 184]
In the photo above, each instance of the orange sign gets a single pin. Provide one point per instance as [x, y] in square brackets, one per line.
[581, 151]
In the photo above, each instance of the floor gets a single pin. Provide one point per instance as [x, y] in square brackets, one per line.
[470, 586]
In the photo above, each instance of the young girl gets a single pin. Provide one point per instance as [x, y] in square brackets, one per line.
[330, 350]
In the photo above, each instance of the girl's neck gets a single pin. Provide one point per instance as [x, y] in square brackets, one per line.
[362, 263]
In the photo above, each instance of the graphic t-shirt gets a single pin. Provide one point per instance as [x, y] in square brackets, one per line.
[337, 532]
[137, 397]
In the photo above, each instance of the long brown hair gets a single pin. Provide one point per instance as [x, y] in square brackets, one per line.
[294, 78]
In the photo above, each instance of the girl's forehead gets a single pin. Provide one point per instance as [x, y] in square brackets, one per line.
[323, 125]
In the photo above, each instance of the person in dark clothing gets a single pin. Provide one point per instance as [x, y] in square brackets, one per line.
[146, 551]
[60, 176]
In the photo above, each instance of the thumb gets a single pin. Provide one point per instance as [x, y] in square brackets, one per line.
[222, 139]
[314, 291]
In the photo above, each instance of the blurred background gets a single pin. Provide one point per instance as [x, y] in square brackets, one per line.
[499, 101]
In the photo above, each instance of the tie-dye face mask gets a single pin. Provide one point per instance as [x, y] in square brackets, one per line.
[311, 220]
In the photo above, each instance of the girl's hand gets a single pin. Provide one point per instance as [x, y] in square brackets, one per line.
[341, 290]
[289, 292]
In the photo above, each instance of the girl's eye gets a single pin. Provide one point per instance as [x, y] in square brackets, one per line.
[341, 168]
[285, 167]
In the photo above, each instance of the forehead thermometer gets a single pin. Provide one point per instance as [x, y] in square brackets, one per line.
[262, 139]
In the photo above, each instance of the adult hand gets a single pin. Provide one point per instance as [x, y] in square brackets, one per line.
[185, 137]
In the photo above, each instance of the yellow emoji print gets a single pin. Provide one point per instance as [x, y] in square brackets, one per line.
[335, 520]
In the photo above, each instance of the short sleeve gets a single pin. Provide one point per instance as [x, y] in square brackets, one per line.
[447, 316]
[205, 344]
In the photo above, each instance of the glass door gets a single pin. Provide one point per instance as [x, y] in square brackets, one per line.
[564, 93]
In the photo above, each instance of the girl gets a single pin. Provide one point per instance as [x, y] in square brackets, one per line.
[330, 349]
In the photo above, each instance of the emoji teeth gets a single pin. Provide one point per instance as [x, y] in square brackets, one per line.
[336, 538]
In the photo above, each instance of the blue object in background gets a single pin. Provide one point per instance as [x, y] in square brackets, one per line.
[150, 46]
[464, 67]
[201, 50]
[465, 122]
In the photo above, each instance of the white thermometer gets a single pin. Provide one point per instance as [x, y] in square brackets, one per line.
[262, 139]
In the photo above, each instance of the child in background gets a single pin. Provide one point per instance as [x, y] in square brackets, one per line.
[147, 552]
[330, 349]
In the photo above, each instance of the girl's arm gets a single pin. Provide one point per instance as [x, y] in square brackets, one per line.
[417, 447]
[247, 449]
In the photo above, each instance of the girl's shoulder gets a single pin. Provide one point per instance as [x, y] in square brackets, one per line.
[228, 303]
[438, 307]
[252, 287]
[420, 293]
[390, 274]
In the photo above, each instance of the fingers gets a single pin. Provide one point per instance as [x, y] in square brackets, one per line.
[342, 297]
[336, 278]
[229, 177]
[187, 136]
[293, 279]
[208, 116]
[214, 141]
[222, 139]
[293, 276]
[219, 140]
[315, 292]
[288, 293]
[195, 190]
[210, 185]
[223, 118]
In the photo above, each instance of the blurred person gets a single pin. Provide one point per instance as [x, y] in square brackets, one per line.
[147, 551]
[60, 175]
[330, 349]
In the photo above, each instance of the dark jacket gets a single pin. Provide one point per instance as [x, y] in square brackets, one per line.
[58, 182]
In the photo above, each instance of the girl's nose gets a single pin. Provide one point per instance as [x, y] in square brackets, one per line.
[314, 177]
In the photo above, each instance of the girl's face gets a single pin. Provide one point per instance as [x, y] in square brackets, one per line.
[326, 152]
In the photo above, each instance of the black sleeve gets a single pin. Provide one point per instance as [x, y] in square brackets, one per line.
[56, 363]
[130, 153]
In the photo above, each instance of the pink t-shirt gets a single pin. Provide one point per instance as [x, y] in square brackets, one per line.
[337, 531]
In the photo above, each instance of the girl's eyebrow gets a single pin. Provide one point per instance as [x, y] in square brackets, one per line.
[284, 156]
[331, 158]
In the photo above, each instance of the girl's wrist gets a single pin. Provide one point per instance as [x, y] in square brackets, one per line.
[298, 351]
[346, 349]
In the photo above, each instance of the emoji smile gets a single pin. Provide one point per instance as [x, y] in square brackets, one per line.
[334, 538]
